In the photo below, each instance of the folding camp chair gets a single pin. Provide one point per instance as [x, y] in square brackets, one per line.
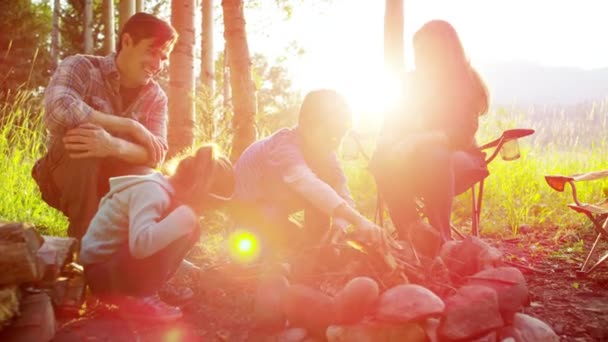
[506, 144]
[597, 213]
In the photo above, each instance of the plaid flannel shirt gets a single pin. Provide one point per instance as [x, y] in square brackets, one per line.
[83, 83]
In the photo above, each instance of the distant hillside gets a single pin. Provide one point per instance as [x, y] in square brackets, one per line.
[524, 84]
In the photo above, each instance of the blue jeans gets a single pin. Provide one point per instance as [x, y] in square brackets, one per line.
[123, 274]
[434, 174]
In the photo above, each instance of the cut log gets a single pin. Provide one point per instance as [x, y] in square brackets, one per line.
[67, 295]
[9, 304]
[55, 253]
[19, 245]
[35, 323]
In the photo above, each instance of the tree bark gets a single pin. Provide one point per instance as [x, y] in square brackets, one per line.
[243, 88]
[55, 37]
[393, 36]
[181, 78]
[126, 8]
[139, 6]
[88, 27]
[108, 23]
[206, 76]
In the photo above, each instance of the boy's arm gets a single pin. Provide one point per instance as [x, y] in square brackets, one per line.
[342, 189]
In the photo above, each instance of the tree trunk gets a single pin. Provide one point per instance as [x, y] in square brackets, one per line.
[55, 33]
[88, 27]
[243, 88]
[139, 6]
[393, 36]
[181, 78]
[226, 82]
[206, 76]
[108, 23]
[126, 8]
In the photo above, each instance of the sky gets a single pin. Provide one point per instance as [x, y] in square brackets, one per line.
[343, 39]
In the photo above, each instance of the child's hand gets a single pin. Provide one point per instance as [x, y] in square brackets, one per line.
[371, 234]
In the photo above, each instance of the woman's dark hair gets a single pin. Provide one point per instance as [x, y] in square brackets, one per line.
[443, 68]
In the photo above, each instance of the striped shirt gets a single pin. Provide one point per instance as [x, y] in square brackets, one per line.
[273, 174]
[82, 84]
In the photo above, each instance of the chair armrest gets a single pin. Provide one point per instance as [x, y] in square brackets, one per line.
[590, 175]
[508, 135]
[559, 182]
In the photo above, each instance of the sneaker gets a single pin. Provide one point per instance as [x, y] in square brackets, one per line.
[176, 294]
[150, 308]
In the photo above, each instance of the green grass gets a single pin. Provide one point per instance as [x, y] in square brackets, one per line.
[515, 193]
[21, 143]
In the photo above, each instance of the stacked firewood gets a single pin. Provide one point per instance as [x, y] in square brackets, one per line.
[38, 281]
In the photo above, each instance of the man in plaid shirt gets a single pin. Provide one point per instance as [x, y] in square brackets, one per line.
[106, 117]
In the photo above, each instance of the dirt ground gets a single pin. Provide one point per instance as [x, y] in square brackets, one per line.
[576, 308]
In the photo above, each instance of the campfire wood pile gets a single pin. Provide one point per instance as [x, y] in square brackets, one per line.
[36, 282]
[460, 292]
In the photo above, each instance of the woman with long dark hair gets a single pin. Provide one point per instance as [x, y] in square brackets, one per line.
[427, 146]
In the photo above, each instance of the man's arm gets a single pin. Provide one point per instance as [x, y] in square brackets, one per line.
[66, 109]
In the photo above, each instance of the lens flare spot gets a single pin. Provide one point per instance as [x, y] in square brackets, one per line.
[243, 246]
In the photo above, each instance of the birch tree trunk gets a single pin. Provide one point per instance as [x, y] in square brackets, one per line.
[243, 88]
[206, 76]
[126, 8]
[55, 37]
[139, 6]
[181, 78]
[108, 23]
[88, 27]
[393, 36]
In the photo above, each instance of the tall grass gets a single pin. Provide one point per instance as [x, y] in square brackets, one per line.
[566, 142]
[21, 143]
[515, 192]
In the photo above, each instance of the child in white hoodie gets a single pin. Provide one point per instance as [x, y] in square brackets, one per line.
[144, 227]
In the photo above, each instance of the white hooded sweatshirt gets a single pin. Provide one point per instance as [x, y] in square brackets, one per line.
[133, 212]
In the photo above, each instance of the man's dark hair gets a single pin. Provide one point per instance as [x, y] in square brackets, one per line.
[143, 26]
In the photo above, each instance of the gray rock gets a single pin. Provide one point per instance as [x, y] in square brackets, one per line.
[356, 300]
[510, 286]
[292, 335]
[267, 311]
[469, 256]
[472, 311]
[533, 329]
[376, 332]
[404, 303]
[308, 308]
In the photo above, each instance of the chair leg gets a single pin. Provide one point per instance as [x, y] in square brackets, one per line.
[474, 217]
[597, 240]
[601, 261]
[600, 227]
[458, 232]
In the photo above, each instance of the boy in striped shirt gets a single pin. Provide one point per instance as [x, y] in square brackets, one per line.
[297, 169]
